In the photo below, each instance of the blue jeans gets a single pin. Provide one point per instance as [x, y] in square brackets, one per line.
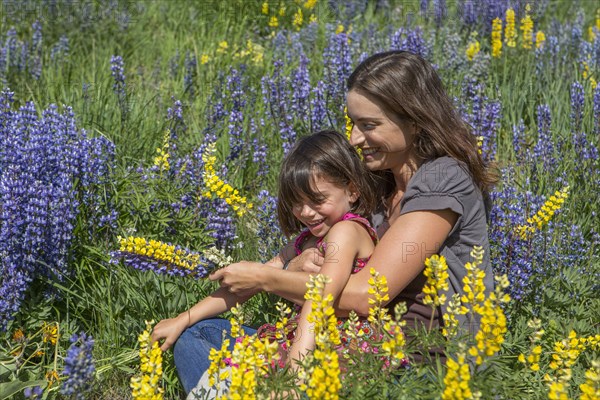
[192, 349]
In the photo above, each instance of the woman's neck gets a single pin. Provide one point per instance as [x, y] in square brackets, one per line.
[404, 172]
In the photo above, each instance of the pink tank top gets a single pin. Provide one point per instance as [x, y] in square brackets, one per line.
[359, 263]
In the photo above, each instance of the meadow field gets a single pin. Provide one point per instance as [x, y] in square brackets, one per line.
[140, 143]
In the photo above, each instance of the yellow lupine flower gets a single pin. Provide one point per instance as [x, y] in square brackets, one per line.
[204, 59]
[590, 389]
[496, 37]
[217, 363]
[218, 187]
[540, 39]
[454, 308]
[544, 215]
[472, 49]
[265, 8]
[320, 372]
[456, 381]
[310, 4]
[378, 290]
[510, 32]
[558, 391]
[339, 29]
[168, 253]
[473, 287]
[147, 386]
[298, 19]
[223, 46]
[162, 159]
[273, 21]
[527, 29]
[436, 272]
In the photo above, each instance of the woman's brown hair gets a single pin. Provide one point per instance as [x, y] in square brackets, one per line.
[406, 85]
[328, 155]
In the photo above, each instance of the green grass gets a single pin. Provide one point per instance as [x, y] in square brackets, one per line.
[111, 302]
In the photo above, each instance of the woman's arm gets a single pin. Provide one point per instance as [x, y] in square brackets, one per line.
[343, 241]
[399, 256]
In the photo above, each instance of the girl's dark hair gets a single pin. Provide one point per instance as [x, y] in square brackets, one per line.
[407, 86]
[328, 155]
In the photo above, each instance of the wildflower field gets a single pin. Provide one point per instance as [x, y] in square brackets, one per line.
[140, 143]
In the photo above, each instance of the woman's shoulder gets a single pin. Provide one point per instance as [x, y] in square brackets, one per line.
[442, 175]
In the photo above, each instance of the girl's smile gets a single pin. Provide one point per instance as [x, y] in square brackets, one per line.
[320, 217]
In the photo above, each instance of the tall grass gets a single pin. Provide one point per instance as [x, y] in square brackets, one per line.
[236, 92]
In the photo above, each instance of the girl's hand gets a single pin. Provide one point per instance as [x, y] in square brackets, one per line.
[170, 330]
[242, 278]
[310, 261]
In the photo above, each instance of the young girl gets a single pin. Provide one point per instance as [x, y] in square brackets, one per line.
[325, 190]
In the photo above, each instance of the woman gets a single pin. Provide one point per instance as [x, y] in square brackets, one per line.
[433, 202]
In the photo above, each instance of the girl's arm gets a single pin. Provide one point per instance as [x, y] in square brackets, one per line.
[217, 303]
[400, 255]
[343, 243]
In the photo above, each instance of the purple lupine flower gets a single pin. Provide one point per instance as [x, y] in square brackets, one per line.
[33, 393]
[277, 97]
[468, 14]
[454, 55]
[337, 58]
[484, 118]
[177, 126]
[577, 102]
[117, 69]
[24, 56]
[271, 237]
[11, 45]
[259, 157]
[596, 110]
[237, 99]
[60, 50]
[40, 161]
[174, 64]
[318, 107]
[439, 11]
[301, 92]
[519, 141]
[410, 40]
[544, 147]
[424, 7]
[36, 51]
[190, 75]
[79, 367]
[220, 224]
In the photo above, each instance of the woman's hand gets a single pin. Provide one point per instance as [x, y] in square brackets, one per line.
[170, 330]
[242, 278]
[310, 261]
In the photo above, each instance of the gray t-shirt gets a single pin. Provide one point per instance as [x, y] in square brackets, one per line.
[439, 184]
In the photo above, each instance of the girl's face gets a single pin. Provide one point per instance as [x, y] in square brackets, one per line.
[320, 217]
[385, 140]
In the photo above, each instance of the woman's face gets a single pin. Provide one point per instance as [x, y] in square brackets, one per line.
[386, 141]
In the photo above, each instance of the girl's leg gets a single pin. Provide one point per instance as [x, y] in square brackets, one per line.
[192, 349]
